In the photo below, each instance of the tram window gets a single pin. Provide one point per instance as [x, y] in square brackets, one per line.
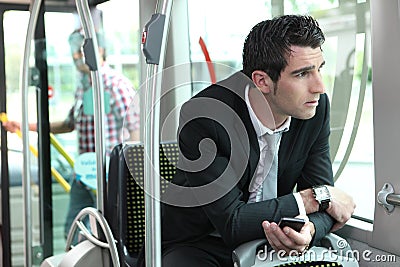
[123, 43]
[346, 74]
[61, 71]
[305, 6]
[15, 24]
[223, 37]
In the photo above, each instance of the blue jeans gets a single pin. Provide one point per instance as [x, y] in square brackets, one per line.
[80, 197]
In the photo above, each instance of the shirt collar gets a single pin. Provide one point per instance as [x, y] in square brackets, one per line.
[258, 126]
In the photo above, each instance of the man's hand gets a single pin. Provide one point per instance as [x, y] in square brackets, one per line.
[341, 207]
[11, 126]
[14, 126]
[287, 239]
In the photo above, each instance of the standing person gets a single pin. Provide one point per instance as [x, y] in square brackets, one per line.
[255, 148]
[120, 115]
[118, 96]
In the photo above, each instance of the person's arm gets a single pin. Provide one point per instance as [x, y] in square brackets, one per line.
[14, 126]
[340, 208]
[55, 127]
[126, 107]
[60, 127]
[221, 182]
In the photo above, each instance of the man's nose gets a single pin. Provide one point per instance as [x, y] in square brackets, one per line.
[317, 85]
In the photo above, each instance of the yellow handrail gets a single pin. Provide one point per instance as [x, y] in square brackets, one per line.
[54, 172]
[58, 146]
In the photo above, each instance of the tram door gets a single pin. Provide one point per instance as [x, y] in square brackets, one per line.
[50, 200]
[386, 58]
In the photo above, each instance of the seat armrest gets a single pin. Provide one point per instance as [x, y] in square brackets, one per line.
[336, 243]
[245, 254]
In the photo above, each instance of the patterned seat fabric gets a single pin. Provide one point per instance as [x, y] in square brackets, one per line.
[125, 196]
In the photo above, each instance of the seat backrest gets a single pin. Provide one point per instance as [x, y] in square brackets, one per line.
[125, 196]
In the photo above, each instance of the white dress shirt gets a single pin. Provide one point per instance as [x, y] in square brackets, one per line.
[264, 185]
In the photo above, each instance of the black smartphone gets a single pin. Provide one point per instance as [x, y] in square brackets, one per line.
[294, 223]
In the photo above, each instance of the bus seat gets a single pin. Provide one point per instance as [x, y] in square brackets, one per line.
[124, 202]
[95, 247]
[83, 254]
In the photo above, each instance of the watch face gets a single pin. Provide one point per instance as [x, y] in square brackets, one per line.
[322, 193]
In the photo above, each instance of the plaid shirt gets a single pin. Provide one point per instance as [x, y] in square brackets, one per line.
[122, 118]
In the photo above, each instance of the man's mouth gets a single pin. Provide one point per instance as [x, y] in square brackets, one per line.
[312, 103]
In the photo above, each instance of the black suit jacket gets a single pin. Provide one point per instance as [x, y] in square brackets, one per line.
[219, 153]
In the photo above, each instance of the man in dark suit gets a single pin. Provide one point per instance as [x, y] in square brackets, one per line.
[246, 143]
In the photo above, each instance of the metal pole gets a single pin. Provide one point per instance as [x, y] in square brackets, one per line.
[152, 141]
[26, 181]
[393, 199]
[98, 97]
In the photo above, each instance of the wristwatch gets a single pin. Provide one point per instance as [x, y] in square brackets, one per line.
[322, 196]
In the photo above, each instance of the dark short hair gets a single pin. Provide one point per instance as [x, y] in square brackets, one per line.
[267, 46]
[76, 39]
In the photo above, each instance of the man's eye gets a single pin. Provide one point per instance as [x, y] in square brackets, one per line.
[302, 74]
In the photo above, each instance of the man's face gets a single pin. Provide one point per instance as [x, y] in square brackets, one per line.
[298, 90]
[79, 60]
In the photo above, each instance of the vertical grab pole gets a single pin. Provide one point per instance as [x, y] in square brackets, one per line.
[154, 42]
[26, 181]
[91, 51]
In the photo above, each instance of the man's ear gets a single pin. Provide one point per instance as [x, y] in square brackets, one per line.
[262, 81]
